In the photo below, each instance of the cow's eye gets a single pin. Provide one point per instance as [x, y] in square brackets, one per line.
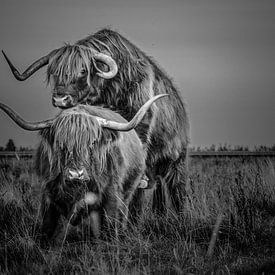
[83, 72]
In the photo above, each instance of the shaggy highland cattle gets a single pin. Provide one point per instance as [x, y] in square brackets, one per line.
[106, 69]
[91, 164]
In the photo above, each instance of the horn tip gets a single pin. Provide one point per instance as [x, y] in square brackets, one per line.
[4, 54]
[7, 59]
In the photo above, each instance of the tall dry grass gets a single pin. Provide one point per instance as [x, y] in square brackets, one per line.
[239, 192]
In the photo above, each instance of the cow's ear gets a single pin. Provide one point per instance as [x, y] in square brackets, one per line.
[109, 136]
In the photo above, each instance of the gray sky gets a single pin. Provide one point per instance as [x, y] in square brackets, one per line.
[219, 53]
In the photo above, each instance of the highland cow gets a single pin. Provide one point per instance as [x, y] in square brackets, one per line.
[107, 69]
[91, 164]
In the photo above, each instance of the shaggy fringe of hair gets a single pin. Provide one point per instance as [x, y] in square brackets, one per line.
[75, 134]
[68, 61]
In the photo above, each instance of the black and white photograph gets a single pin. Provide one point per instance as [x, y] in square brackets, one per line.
[137, 137]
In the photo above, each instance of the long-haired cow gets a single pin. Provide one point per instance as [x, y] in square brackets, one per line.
[107, 69]
[91, 163]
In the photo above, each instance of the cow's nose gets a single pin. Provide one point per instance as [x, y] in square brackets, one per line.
[76, 174]
[62, 101]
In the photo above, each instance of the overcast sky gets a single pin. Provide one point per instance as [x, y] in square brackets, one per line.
[219, 53]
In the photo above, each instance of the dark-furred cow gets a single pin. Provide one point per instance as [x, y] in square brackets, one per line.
[107, 69]
[91, 162]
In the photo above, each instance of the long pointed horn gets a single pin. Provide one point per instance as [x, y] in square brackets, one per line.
[110, 62]
[30, 126]
[134, 122]
[30, 70]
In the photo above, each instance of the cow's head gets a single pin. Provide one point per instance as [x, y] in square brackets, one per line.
[70, 72]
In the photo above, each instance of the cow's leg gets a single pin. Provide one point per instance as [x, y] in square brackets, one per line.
[90, 226]
[50, 218]
[109, 213]
[133, 197]
[171, 187]
[136, 205]
[116, 211]
[95, 221]
[159, 198]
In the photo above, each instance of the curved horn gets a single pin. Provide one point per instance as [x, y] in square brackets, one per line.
[108, 61]
[135, 120]
[30, 126]
[30, 70]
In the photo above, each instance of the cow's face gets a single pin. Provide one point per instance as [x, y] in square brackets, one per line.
[66, 94]
[74, 182]
[81, 192]
[72, 70]
[76, 168]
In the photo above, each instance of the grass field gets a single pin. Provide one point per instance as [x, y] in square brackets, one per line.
[235, 195]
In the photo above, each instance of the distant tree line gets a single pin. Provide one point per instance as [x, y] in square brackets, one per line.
[228, 147]
[11, 147]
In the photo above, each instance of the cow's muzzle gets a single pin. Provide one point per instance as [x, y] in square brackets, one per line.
[63, 101]
[77, 174]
